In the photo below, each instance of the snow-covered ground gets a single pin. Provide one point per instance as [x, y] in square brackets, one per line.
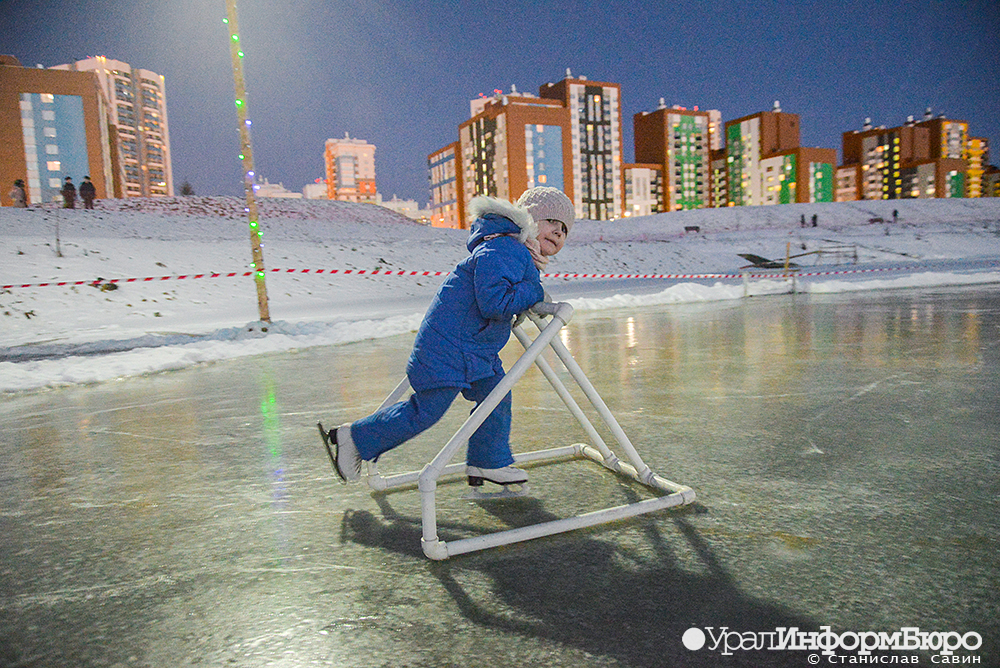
[106, 327]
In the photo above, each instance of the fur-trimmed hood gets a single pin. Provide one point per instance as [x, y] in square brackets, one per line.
[482, 208]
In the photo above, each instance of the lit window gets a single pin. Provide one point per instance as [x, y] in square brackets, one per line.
[47, 98]
[53, 165]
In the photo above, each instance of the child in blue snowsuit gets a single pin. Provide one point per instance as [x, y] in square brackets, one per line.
[457, 347]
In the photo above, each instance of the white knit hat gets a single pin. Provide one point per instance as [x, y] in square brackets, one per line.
[545, 203]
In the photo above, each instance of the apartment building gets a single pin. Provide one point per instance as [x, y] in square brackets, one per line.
[930, 158]
[53, 124]
[595, 147]
[137, 102]
[350, 170]
[978, 153]
[445, 171]
[643, 189]
[720, 177]
[766, 164]
[991, 182]
[679, 140]
[514, 143]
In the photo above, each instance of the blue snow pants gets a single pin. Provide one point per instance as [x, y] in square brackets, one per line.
[489, 446]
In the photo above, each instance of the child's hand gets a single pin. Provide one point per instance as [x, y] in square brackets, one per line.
[536, 254]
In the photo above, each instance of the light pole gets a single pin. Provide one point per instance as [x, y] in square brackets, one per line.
[246, 155]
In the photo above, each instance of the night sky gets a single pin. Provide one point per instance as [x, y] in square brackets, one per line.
[400, 73]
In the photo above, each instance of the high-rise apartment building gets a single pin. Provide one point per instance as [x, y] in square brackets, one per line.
[991, 182]
[445, 171]
[53, 124]
[720, 177]
[567, 137]
[766, 165]
[978, 159]
[922, 159]
[679, 140]
[595, 144]
[514, 143]
[138, 114]
[350, 170]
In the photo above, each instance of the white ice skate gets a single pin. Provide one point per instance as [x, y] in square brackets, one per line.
[513, 482]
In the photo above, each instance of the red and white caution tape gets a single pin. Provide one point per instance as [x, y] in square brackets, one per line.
[382, 272]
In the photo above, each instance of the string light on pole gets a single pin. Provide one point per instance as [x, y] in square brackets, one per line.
[246, 156]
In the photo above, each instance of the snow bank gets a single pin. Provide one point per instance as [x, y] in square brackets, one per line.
[57, 335]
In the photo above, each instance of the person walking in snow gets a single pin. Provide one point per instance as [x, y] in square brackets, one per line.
[69, 194]
[18, 195]
[87, 193]
[457, 347]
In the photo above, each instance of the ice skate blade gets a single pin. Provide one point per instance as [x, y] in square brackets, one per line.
[512, 491]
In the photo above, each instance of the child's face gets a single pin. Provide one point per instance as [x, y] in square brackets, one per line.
[551, 236]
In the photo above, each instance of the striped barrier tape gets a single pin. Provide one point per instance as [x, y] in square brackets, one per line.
[381, 272]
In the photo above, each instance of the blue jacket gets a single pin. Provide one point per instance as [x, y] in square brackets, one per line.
[469, 320]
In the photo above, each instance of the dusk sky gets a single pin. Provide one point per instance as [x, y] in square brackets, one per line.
[400, 73]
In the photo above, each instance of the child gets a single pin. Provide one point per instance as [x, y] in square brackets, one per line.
[458, 344]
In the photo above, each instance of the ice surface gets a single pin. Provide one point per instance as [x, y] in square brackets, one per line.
[843, 448]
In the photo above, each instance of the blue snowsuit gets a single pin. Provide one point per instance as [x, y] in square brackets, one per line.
[457, 346]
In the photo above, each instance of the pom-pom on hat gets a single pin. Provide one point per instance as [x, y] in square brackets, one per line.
[545, 203]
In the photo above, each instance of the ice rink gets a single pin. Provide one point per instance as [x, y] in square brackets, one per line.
[844, 450]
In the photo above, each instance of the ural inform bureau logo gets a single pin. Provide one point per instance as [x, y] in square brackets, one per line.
[850, 647]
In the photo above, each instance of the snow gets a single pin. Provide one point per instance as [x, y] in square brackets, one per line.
[70, 334]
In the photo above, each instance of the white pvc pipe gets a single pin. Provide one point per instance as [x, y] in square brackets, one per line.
[427, 481]
[566, 397]
[396, 394]
[427, 478]
[443, 550]
[595, 399]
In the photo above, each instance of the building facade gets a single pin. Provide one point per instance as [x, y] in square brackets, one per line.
[925, 159]
[720, 177]
[445, 170]
[991, 182]
[680, 141]
[751, 140]
[53, 124]
[766, 164]
[595, 144]
[137, 101]
[350, 170]
[515, 143]
[978, 157]
[643, 189]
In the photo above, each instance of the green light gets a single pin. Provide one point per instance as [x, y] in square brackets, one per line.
[226, 21]
[260, 274]
[239, 103]
[242, 156]
[253, 223]
[236, 38]
[239, 53]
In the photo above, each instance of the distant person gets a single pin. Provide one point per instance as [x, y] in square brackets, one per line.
[18, 194]
[895, 214]
[87, 193]
[69, 194]
[457, 346]
[815, 220]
